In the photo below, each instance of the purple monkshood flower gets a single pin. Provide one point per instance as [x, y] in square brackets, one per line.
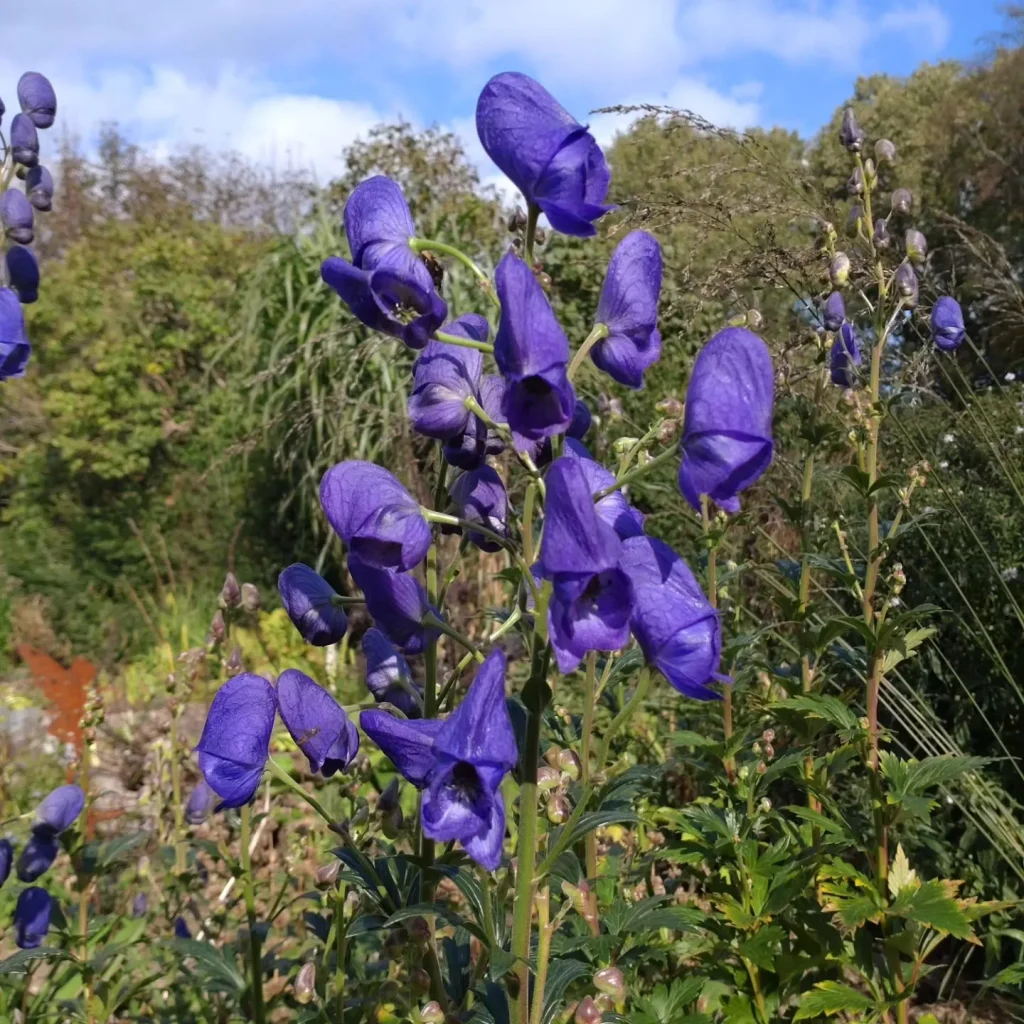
[532, 352]
[397, 602]
[444, 377]
[480, 497]
[14, 345]
[309, 601]
[140, 905]
[844, 356]
[906, 283]
[200, 803]
[613, 508]
[458, 763]
[181, 929]
[23, 273]
[386, 279]
[37, 99]
[672, 620]
[39, 188]
[32, 917]
[469, 449]
[16, 217]
[835, 312]
[37, 856]
[592, 598]
[24, 141]
[580, 422]
[317, 723]
[550, 158]
[58, 811]
[727, 427]
[6, 859]
[235, 744]
[628, 307]
[947, 324]
[388, 676]
[379, 520]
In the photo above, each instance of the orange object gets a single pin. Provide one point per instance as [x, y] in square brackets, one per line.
[64, 690]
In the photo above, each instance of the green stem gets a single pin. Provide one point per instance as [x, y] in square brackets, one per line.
[341, 935]
[443, 519]
[431, 621]
[544, 934]
[705, 518]
[755, 984]
[282, 775]
[599, 332]
[452, 339]
[589, 701]
[255, 958]
[431, 244]
[643, 684]
[507, 625]
[179, 821]
[669, 453]
[532, 213]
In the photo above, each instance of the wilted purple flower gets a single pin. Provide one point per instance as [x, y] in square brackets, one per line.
[16, 217]
[469, 449]
[906, 284]
[459, 763]
[37, 856]
[672, 620]
[532, 352]
[481, 498]
[24, 141]
[835, 312]
[32, 917]
[727, 428]
[947, 324]
[628, 307]
[235, 744]
[39, 188]
[387, 286]
[550, 158]
[317, 723]
[181, 929]
[58, 811]
[23, 273]
[6, 859]
[388, 676]
[902, 200]
[37, 98]
[851, 135]
[844, 356]
[613, 508]
[14, 346]
[379, 520]
[397, 602]
[140, 905]
[199, 804]
[916, 244]
[592, 598]
[309, 601]
[444, 377]
[580, 422]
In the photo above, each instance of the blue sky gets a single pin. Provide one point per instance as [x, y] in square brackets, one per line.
[294, 83]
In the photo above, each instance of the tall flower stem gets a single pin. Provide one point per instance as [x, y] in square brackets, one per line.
[544, 934]
[643, 684]
[705, 518]
[669, 453]
[589, 701]
[179, 821]
[454, 339]
[532, 213]
[341, 937]
[255, 957]
[432, 245]
[599, 332]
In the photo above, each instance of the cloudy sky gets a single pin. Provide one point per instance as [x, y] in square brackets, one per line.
[293, 83]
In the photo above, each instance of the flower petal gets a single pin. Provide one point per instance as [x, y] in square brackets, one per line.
[316, 722]
[409, 745]
[308, 599]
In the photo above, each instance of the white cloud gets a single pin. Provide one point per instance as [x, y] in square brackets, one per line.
[922, 24]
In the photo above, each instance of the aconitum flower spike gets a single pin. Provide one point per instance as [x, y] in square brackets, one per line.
[386, 286]
[39, 188]
[317, 723]
[851, 135]
[480, 497]
[379, 520]
[37, 99]
[532, 352]
[916, 244]
[24, 141]
[309, 601]
[388, 676]
[947, 324]
[199, 804]
[58, 811]
[580, 422]
[592, 597]
[672, 620]
[32, 917]
[23, 273]
[235, 743]
[14, 345]
[397, 602]
[844, 356]
[6, 859]
[554, 161]
[37, 856]
[885, 152]
[727, 427]
[835, 312]
[901, 201]
[613, 508]
[906, 284]
[628, 308]
[16, 217]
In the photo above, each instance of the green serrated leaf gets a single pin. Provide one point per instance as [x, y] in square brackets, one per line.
[17, 963]
[561, 974]
[215, 970]
[822, 706]
[762, 947]
[933, 905]
[831, 997]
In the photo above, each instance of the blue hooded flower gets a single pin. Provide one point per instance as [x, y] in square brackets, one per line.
[613, 508]
[554, 161]
[379, 520]
[580, 423]
[58, 811]
[24, 141]
[458, 763]
[23, 273]
[14, 345]
[32, 917]
[309, 601]
[317, 723]
[39, 188]
[397, 602]
[844, 356]
[199, 804]
[628, 307]
[387, 286]
[140, 905]
[468, 449]
[16, 217]
[181, 929]
[388, 676]
[37, 99]
[592, 598]
[672, 620]
[947, 324]
[835, 312]
[532, 352]
[727, 427]
[480, 497]
[6, 859]
[37, 855]
[235, 744]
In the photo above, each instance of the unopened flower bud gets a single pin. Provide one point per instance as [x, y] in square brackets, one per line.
[624, 444]
[39, 188]
[881, 234]
[906, 284]
[547, 778]
[391, 826]
[419, 981]
[755, 748]
[768, 735]
[917, 245]
[853, 219]
[769, 751]
[327, 875]
[839, 269]
[902, 201]
[761, 767]
[668, 430]
[230, 593]
[432, 1013]
[828, 231]
[540, 236]
[235, 662]
[218, 627]
[558, 809]
[305, 983]
[855, 183]
[885, 152]
[766, 805]
[24, 141]
[754, 319]
[388, 799]
[587, 1012]
[16, 217]
[250, 597]
[569, 762]
[670, 407]
[870, 175]
[397, 939]
[611, 981]
[851, 135]
[37, 99]
[517, 220]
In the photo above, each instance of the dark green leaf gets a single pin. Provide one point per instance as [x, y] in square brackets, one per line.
[831, 997]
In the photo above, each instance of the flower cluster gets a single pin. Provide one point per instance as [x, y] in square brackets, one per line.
[19, 271]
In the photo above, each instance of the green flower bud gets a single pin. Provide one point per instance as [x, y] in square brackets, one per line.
[624, 444]
[432, 1013]
[569, 762]
[547, 778]
[670, 407]
[839, 270]
[305, 983]
[754, 319]
[917, 245]
[327, 874]
[250, 597]
[611, 981]
[558, 809]
[587, 1012]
